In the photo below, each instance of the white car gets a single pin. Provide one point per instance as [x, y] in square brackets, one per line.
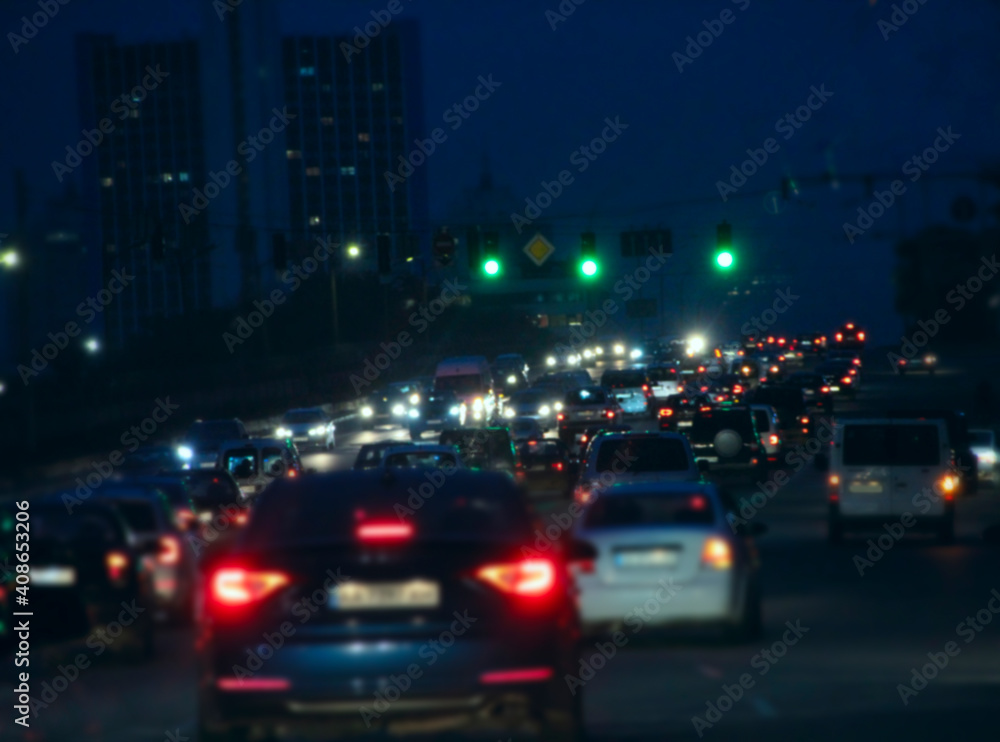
[984, 446]
[309, 428]
[525, 429]
[670, 543]
[664, 379]
[421, 456]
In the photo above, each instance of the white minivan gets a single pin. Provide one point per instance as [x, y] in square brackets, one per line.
[892, 471]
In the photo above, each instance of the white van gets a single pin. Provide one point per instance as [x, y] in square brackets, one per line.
[472, 381]
[892, 471]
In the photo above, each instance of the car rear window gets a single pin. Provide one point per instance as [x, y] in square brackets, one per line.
[623, 379]
[140, 516]
[581, 397]
[420, 460]
[304, 514]
[708, 423]
[242, 463]
[891, 445]
[91, 526]
[481, 449]
[980, 438]
[762, 420]
[659, 509]
[638, 455]
[662, 374]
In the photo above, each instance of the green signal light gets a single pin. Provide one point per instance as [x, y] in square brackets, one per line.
[491, 267]
[724, 259]
[588, 268]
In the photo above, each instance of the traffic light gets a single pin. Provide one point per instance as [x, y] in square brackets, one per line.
[472, 246]
[279, 252]
[491, 253]
[724, 257]
[588, 254]
[383, 245]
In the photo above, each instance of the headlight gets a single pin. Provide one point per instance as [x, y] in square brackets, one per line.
[588, 354]
[544, 410]
[509, 412]
[550, 361]
[413, 414]
[414, 398]
[930, 359]
[367, 411]
[511, 379]
[557, 406]
[599, 350]
[636, 353]
[318, 430]
[619, 349]
[696, 343]
[284, 433]
[455, 411]
[574, 359]
[185, 452]
[987, 457]
[398, 409]
[477, 404]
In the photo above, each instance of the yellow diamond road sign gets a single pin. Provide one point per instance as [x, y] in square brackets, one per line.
[539, 249]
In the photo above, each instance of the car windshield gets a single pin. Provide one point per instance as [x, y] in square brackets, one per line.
[421, 460]
[980, 438]
[220, 430]
[662, 374]
[303, 417]
[891, 445]
[583, 397]
[653, 509]
[460, 383]
[241, 463]
[641, 455]
[623, 380]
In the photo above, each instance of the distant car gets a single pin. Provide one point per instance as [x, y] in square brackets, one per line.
[676, 412]
[421, 456]
[510, 373]
[150, 460]
[849, 336]
[85, 566]
[984, 447]
[436, 411]
[664, 379]
[546, 465]
[795, 418]
[525, 428]
[727, 439]
[631, 387]
[811, 342]
[218, 503]
[256, 462]
[200, 447]
[926, 361]
[634, 457]
[483, 448]
[512, 362]
[815, 389]
[842, 378]
[390, 405]
[500, 628]
[309, 427]
[768, 428]
[370, 454]
[633, 536]
[541, 402]
[583, 407]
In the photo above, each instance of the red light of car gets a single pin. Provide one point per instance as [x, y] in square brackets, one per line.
[773, 439]
[116, 563]
[253, 684]
[520, 675]
[781, 341]
[861, 336]
[847, 380]
[666, 412]
[557, 465]
[384, 531]
[292, 473]
[717, 554]
[235, 586]
[560, 416]
[824, 389]
[770, 340]
[902, 361]
[856, 361]
[697, 502]
[850, 325]
[528, 578]
[645, 387]
[737, 389]
[701, 369]
[609, 413]
[839, 336]
[170, 550]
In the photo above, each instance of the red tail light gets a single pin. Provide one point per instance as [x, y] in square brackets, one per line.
[292, 473]
[666, 412]
[560, 416]
[804, 419]
[701, 369]
[235, 586]
[645, 387]
[902, 361]
[117, 563]
[861, 336]
[253, 684]
[520, 675]
[609, 413]
[384, 531]
[770, 339]
[720, 397]
[773, 439]
[558, 466]
[856, 361]
[185, 517]
[846, 380]
[737, 388]
[781, 341]
[170, 550]
[825, 390]
[242, 518]
[839, 336]
[528, 578]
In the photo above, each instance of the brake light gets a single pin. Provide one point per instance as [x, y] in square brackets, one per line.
[804, 419]
[781, 358]
[737, 388]
[528, 578]
[948, 485]
[116, 563]
[185, 517]
[850, 325]
[253, 684]
[839, 336]
[720, 398]
[645, 387]
[856, 361]
[902, 361]
[609, 413]
[834, 480]
[717, 554]
[384, 531]
[861, 336]
[773, 439]
[235, 586]
[170, 550]
[701, 369]
[560, 416]
[520, 675]
[847, 380]
[242, 518]
[292, 473]
[770, 340]
[824, 390]
[558, 465]
[666, 412]
[781, 341]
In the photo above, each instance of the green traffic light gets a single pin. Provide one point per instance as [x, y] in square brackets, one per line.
[491, 267]
[588, 268]
[724, 259]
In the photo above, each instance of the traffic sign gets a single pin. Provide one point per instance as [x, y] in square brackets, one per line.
[539, 249]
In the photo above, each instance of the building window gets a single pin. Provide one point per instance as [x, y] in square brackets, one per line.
[107, 182]
[314, 221]
[293, 154]
[378, 87]
[307, 71]
[364, 136]
[183, 177]
[312, 172]
[348, 170]
[327, 121]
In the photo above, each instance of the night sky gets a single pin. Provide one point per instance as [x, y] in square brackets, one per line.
[685, 129]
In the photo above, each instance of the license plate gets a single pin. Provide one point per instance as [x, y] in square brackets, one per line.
[386, 595]
[248, 489]
[710, 459]
[646, 558]
[834, 388]
[684, 424]
[865, 488]
[52, 576]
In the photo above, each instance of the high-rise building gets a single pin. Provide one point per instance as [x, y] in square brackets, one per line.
[358, 116]
[141, 104]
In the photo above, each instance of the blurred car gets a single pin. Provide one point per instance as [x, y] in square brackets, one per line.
[483, 448]
[169, 559]
[257, 462]
[664, 379]
[370, 454]
[309, 428]
[150, 460]
[814, 388]
[811, 342]
[771, 367]
[210, 490]
[849, 336]
[525, 428]
[631, 387]
[727, 439]
[841, 377]
[984, 446]
[796, 420]
[421, 456]
[768, 427]
[86, 573]
[513, 362]
[510, 373]
[446, 592]
[633, 537]
[676, 412]
[563, 357]
[926, 361]
[541, 402]
[390, 405]
[173, 487]
[727, 389]
[634, 457]
[200, 447]
[437, 411]
[844, 355]
[545, 465]
[583, 407]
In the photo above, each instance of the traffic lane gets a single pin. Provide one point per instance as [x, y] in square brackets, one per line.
[350, 438]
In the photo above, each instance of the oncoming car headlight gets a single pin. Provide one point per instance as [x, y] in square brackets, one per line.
[367, 411]
[284, 433]
[636, 353]
[413, 414]
[455, 410]
[414, 398]
[557, 406]
[318, 430]
[550, 361]
[398, 409]
[619, 349]
[544, 410]
[512, 379]
[509, 412]
[185, 452]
